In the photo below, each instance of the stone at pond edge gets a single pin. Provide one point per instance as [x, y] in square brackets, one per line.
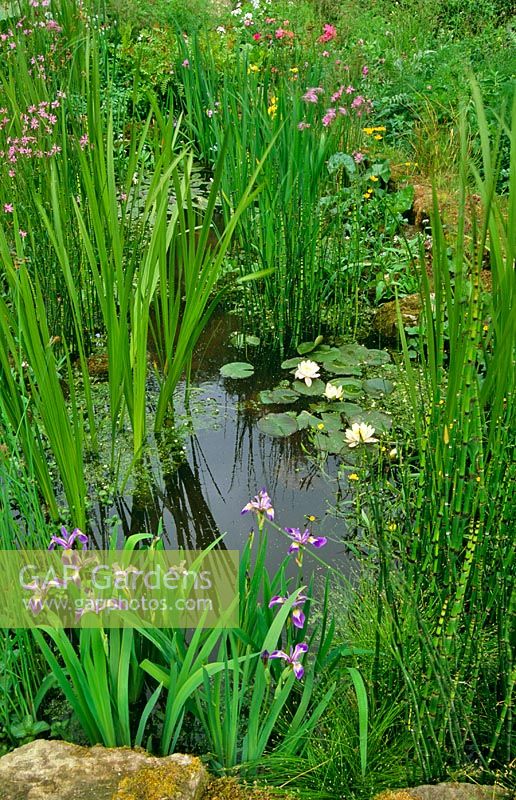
[447, 791]
[386, 318]
[55, 770]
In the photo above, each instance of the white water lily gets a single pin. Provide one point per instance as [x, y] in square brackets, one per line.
[307, 371]
[360, 433]
[333, 392]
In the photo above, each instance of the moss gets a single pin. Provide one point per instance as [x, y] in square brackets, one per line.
[157, 783]
[230, 789]
[397, 794]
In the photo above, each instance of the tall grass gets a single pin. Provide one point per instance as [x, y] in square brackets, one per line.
[283, 240]
[448, 581]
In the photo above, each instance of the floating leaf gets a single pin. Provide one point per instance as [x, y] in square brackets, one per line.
[339, 367]
[350, 387]
[377, 387]
[279, 396]
[317, 388]
[277, 424]
[375, 358]
[380, 420]
[237, 370]
[307, 347]
[348, 409]
[332, 422]
[326, 355]
[307, 420]
[291, 362]
[241, 340]
[334, 443]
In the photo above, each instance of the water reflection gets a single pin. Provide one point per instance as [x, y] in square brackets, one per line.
[227, 461]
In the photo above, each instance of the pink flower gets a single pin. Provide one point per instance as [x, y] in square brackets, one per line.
[329, 33]
[8, 208]
[365, 70]
[248, 22]
[329, 117]
[83, 141]
[358, 157]
[281, 33]
[23, 234]
[310, 96]
[302, 126]
[270, 20]
[358, 101]
[257, 37]
[325, 53]
[185, 63]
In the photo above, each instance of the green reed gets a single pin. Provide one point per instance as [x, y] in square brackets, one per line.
[283, 239]
[448, 577]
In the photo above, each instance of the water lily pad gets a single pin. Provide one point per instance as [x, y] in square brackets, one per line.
[291, 362]
[353, 354]
[380, 420]
[378, 387]
[307, 347]
[307, 420]
[332, 422]
[241, 340]
[277, 424]
[317, 388]
[325, 354]
[339, 367]
[348, 409]
[237, 370]
[278, 396]
[351, 388]
[375, 358]
[334, 443]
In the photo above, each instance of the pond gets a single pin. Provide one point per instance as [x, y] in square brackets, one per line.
[226, 461]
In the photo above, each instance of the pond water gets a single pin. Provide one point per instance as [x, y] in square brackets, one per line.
[227, 461]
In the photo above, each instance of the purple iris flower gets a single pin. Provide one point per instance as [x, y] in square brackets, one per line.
[298, 618]
[302, 539]
[261, 503]
[66, 540]
[293, 659]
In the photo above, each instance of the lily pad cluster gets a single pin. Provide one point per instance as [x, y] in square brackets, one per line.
[342, 367]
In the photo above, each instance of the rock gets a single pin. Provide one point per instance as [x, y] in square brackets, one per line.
[55, 770]
[386, 318]
[447, 791]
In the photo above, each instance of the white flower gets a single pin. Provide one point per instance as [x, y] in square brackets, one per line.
[221, 29]
[393, 453]
[333, 392]
[360, 433]
[307, 371]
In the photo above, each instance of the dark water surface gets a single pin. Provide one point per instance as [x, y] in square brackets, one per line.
[228, 460]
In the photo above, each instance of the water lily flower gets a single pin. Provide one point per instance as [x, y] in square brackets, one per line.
[261, 503]
[307, 371]
[292, 659]
[333, 392]
[360, 433]
[298, 618]
[66, 540]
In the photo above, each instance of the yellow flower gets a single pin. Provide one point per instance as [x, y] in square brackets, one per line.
[353, 476]
[320, 426]
[310, 518]
[368, 131]
[380, 128]
[253, 68]
[391, 526]
[271, 111]
[295, 70]
[378, 137]
[373, 178]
